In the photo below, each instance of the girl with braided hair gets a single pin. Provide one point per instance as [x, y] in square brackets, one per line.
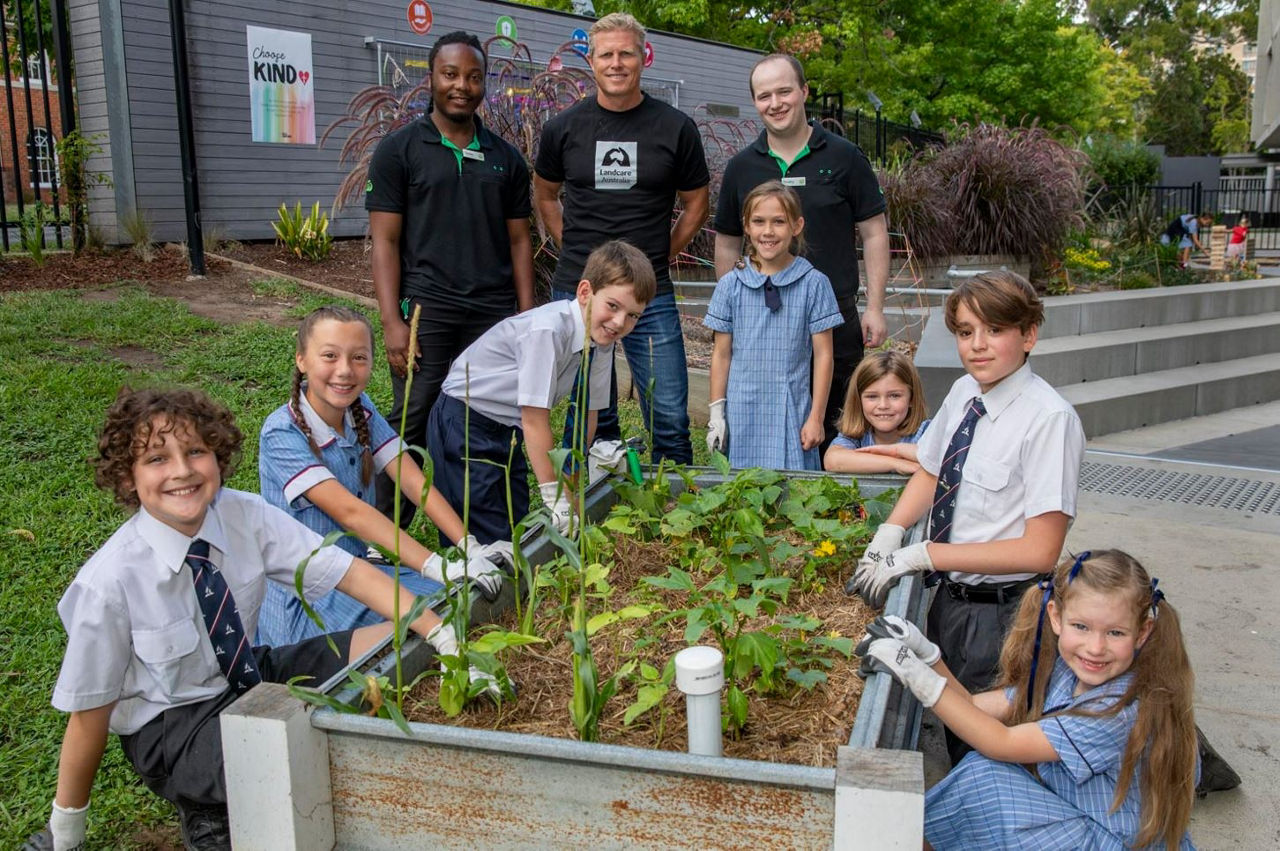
[1089, 739]
[317, 457]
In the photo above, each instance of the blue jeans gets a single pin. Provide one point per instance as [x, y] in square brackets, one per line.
[664, 362]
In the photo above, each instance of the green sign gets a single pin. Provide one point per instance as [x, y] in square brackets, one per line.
[506, 27]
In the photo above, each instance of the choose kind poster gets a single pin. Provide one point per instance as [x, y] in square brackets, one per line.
[281, 89]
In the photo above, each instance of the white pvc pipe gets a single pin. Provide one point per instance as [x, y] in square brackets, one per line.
[700, 676]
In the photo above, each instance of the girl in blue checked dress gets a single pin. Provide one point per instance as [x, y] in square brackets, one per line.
[317, 457]
[1089, 742]
[771, 314]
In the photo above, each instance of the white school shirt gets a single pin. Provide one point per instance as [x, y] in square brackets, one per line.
[1024, 460]
[529, 359]
[135, 633]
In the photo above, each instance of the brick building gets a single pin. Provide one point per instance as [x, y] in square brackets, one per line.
[29, 114]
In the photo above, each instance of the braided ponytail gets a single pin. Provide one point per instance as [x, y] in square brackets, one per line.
[295, 405]
[360, 418]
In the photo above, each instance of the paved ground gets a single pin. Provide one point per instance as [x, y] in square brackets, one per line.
[1220, 565]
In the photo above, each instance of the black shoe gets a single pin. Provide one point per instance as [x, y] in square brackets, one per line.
[205, 827]
[42, 841]
[1215, 774]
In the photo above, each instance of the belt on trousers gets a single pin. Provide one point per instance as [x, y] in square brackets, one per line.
[990, 592]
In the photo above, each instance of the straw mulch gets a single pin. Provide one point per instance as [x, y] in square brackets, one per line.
[792, 726]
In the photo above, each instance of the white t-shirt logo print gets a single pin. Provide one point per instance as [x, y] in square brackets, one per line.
[615, 165]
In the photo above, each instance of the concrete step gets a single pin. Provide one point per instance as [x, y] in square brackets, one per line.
[1134, 401]
[1130, 351]
[1094, 312]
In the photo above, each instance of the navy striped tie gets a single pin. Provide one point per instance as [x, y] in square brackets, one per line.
[222, 620]
[949, 474]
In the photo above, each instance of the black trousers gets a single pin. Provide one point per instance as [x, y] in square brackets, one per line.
[970, 636]
[178, 754]
[847, 346]
[443, 334]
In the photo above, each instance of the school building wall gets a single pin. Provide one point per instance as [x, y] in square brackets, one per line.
[17, 176]
[127, 101]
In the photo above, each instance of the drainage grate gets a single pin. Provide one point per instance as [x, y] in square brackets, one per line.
[1231, 493]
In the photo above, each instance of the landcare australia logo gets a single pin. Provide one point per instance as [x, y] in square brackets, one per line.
[615, 165]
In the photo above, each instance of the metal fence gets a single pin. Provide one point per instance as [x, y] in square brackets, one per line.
[872, 132]
[38, 107]
[1227, 204]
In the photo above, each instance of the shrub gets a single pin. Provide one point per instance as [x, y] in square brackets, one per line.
[1137, 280]
[1118, 163]
[306, 236]
[31, 228]
[913, 194]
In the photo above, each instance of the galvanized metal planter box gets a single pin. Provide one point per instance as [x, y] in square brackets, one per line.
[309, 778]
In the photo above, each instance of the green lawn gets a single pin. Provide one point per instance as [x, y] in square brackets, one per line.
[63, 357]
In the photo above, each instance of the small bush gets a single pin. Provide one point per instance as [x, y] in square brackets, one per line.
[137, 226]
[1138, 280]
[1118, 163]
[306, 236]
[31, 227]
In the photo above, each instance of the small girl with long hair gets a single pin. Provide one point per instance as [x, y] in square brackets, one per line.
[1088, 740]
[317, 457]
[771, 314]
[882, 419]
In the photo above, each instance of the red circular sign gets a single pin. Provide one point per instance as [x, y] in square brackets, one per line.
[419, 16]
[648, 54]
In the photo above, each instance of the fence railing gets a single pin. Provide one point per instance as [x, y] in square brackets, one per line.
[872, 132]
[1227, 204]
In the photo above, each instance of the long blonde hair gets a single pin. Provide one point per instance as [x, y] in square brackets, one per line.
[875, 366]
[1163, 738]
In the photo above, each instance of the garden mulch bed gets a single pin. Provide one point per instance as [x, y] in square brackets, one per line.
[62, 270]
[347, 267]
[799, 727]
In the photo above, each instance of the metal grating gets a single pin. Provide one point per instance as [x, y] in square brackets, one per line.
[1231, 493]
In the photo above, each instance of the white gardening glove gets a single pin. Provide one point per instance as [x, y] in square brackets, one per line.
[66, 830]
[605, 457]
[446, 644]
[717, 428]
[503, 550]
[476, 566]
[887, 539]
[892, 626]
[896, 659]
[555, 496]
[912, 559]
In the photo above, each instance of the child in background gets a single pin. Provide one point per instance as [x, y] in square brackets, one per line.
[1099, 703]
[882, 418]
[317, 458]
[159, 619]
[500, 391]
[771, 315]
[1239, 240]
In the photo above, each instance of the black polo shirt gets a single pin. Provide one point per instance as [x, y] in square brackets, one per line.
[837, 189]
[455, 250]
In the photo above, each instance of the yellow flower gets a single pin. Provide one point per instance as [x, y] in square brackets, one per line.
[835, 633]
[826, 548]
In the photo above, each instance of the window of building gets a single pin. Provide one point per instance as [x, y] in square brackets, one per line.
[43, 158]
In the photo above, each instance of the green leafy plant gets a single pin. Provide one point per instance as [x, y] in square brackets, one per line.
[73, 151]
[307, 235]
[31, 228]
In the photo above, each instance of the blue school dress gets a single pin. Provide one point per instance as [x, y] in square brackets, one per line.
[869, 438]
[983, 803]
[768, 393]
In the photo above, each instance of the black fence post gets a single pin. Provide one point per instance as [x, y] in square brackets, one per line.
[186, 137]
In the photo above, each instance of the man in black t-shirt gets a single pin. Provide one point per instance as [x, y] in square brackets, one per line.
[622, 158]
[838, 193]
[449, 209]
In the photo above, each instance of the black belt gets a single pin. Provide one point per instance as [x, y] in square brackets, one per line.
[990, 592]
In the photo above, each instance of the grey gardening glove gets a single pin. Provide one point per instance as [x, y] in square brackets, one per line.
[912, 559]
[606, 457]
[892, 626]
[894, 658]
[887, 539]
[717, 428]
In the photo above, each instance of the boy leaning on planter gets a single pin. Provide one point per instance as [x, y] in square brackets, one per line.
[999, 471]
[160, 619]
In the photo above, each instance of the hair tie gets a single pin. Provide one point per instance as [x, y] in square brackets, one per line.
[1157, 597]
[1077, 564]
[1047, 585]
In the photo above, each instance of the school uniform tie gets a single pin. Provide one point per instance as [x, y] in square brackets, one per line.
[949, 475]
[222, 620]
[772, 298]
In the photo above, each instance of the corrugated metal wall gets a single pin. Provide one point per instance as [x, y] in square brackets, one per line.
[122, 48]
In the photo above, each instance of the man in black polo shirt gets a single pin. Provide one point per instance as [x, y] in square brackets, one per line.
[449, 209]
[838, 193]
[622, 157]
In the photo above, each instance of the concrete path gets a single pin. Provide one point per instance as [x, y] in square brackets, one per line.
[1220, 566]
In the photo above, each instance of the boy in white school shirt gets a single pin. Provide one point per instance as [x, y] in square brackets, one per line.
[502, 388]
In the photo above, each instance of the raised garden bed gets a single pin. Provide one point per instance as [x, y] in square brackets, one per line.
[437, 782]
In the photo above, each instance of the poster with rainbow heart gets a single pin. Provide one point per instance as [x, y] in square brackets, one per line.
[281, 87]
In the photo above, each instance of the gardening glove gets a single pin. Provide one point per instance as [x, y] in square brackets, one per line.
[887, 539]
[605, 457]
[717, 428]
[499, 551]
[65, 832]
[892, 626]
[894, 658]
[474, 565]
[555, 496]
[446, 644]
[912, 559]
